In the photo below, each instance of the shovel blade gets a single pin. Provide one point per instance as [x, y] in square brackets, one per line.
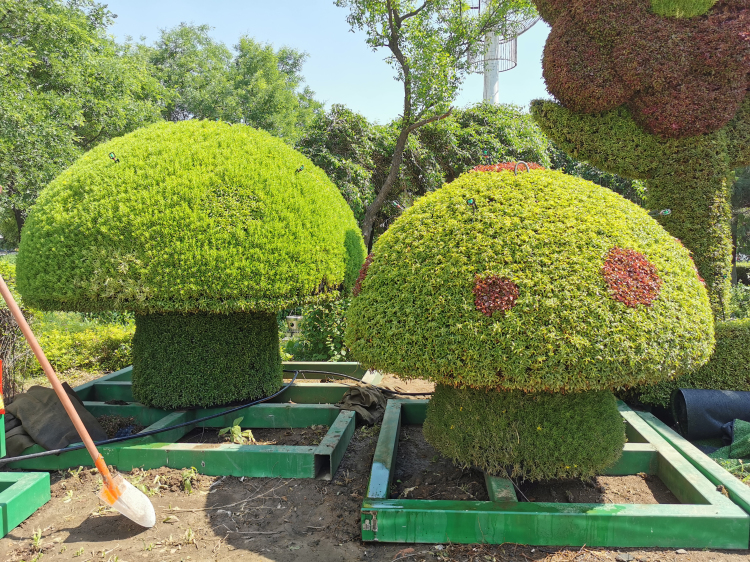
[132, 503]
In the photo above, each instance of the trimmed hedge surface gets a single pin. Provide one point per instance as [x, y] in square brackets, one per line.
[195, 216]
[549, 234]
[679, 76]
[531, 436]
[204, 359]
[687, 176]
[728, 369]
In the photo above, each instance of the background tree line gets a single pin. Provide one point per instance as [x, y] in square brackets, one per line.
[65, 86]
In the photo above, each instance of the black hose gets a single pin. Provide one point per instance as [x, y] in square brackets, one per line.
[152, 432]
[199, 420]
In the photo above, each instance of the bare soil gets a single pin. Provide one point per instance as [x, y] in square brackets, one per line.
[298, 437]
[285, 520]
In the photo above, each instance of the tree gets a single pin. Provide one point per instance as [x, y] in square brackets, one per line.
[357, 155]
[64, 87]
[430, 43]
[257, 85]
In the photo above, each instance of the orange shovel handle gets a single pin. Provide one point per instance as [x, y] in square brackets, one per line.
[59, 390]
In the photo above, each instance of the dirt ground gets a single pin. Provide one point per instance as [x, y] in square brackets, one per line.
[202, 518]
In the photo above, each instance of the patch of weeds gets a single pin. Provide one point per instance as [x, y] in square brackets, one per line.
[188, 478]
[369, 431]
[235, 434]
[36, 541]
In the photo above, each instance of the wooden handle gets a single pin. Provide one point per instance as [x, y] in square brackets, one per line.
[59, 390]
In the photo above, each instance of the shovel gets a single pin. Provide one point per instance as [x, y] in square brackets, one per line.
[116, 492]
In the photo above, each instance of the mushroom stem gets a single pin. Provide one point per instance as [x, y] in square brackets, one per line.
[204, 359]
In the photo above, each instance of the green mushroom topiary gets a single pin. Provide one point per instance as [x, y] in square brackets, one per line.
[537, 283]
[205, 231]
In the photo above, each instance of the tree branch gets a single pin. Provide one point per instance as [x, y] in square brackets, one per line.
[423, 122]
[413, 13]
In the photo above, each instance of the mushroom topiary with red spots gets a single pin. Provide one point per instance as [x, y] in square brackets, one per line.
[528, 298]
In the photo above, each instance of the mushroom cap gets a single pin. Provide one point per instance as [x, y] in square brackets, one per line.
[546, 282]
[186, 217]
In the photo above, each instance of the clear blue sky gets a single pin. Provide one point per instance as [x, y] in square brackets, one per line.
[340, 68]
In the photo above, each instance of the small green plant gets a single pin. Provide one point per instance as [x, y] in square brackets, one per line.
[148, 547]
[188, 477]
[36, 541]
[235, 434]
[68, 496]
[79, 552]
[739, 301]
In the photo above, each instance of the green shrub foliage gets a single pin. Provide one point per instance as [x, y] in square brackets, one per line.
[743, 272]
[688, 176]
[530, 436]
[727, 369]
[418, 314]
[195, 216]
[204, 359]
[679, 76]
[98, 347]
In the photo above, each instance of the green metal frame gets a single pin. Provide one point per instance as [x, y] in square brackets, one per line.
[738, 492]
[705, 518]
[21, 494]
[302, 405]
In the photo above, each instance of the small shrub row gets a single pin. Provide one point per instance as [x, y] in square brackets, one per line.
[97, 347]
[727, 369]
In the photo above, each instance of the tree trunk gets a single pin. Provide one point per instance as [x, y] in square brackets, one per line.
[20, 220]
[374, 208]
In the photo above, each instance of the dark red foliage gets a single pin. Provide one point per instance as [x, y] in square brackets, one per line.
[680, 77]
[362, 275]
[493, 293]
[510, 166]
[631, 278]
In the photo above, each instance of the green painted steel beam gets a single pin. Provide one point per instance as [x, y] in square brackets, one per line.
[112, 390]
[636, 458]
[274, 416]
[384, 459]
[223, 459]
[352, 369]
[86, 390]
[143, 414]
[610, 525]
[413, 412]
[21, 494]
[500, 489]
[313, 393]
[708, 519]
[738, 492]
[331, 449]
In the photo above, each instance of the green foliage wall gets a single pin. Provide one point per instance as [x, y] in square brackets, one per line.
[689, 176]
[727, 369]
[531, 436]
[549, 234]
[195, 216]
[204, 359]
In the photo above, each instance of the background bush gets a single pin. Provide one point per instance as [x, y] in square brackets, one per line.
[726, 370]
[531, 436]
[69, 342]
[321, 335]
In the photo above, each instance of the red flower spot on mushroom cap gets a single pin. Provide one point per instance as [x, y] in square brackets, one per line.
[493, 294]
[362, 274]
[631, 278]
